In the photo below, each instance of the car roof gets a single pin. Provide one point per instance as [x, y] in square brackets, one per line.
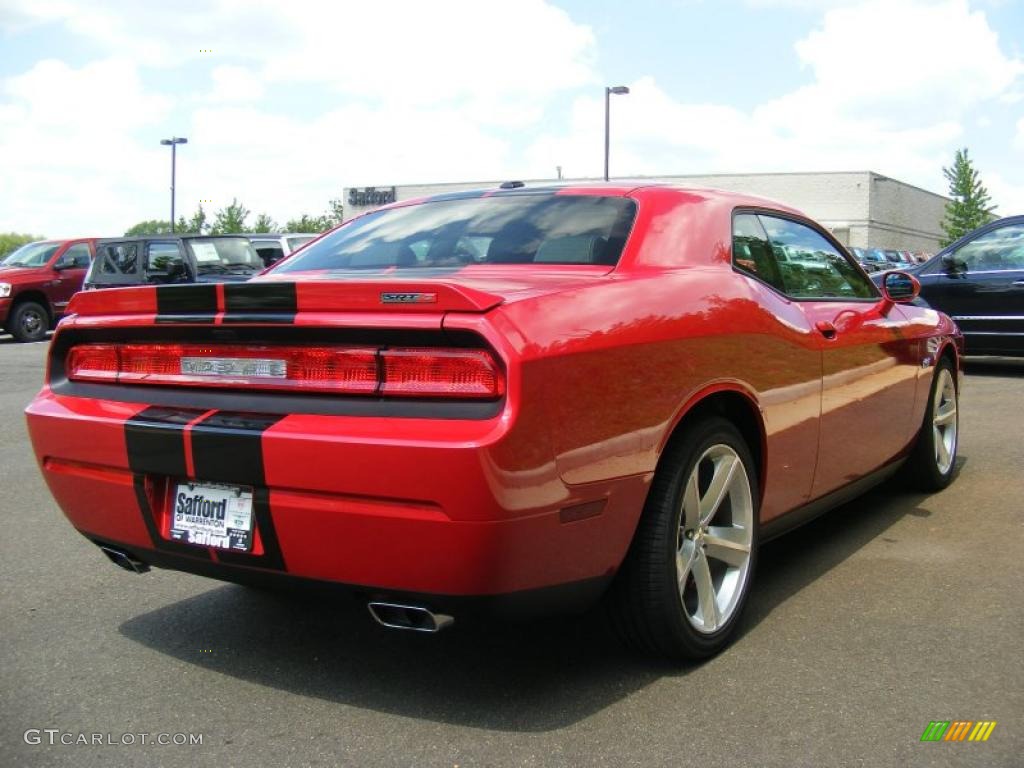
[268, 235]
[638, 189]
[175, 236]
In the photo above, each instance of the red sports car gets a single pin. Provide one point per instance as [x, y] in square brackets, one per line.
[525, 398]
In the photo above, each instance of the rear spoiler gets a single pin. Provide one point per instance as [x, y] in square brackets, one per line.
[273, 297]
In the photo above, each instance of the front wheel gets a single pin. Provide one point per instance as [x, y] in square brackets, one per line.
[29, 322]
[684, 583]
[932, 461]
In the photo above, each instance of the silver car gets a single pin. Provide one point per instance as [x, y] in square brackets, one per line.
[272, 247]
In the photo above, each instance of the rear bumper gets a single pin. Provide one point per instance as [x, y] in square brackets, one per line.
[437, 508]
[571, 597]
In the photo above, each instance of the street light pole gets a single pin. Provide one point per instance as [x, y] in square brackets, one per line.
[618, 90]
[173, 143]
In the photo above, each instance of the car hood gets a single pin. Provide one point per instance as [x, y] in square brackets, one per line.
[19, 274]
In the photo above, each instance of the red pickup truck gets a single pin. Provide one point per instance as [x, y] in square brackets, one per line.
[37, 281]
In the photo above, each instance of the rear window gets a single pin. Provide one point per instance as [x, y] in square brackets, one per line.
[519, 229]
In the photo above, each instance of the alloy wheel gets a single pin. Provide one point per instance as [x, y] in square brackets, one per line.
[944, 421]
[714, 538]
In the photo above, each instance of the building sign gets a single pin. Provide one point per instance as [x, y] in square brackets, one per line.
[371, 196]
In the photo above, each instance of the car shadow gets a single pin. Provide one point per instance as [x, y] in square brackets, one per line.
[994, 366]
[507, 677]
[792, 562]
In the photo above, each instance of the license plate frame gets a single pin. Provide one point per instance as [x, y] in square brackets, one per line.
[217, 515]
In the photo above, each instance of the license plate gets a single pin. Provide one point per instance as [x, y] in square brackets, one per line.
[212, 515]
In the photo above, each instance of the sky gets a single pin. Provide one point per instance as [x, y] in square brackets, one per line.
[286, 103]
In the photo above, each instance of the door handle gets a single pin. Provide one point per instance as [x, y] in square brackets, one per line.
[826, 329]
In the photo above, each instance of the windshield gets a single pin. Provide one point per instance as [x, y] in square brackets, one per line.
[512, 229]
[219, 255]
[31, 255]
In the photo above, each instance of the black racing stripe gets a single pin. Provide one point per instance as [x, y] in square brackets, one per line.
[195, 303]
[149, 518]
[276, 318]
[155, 440]
[227, 447]
[271, 557]
[260, 302]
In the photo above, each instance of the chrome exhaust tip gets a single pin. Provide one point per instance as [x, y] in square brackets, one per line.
[124, 560]
[413, 617]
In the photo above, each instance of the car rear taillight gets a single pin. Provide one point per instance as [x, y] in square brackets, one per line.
[406, 372]
[440, 373]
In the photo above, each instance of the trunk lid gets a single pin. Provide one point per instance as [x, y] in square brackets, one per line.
[475, 290]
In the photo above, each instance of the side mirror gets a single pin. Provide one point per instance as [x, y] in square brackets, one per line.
[900, 287]
[74, 262]
[952, 265]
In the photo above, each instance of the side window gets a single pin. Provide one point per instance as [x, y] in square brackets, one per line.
[751, 251]
[118, 259]
[77, 256]
[1000, 249]
[164, 262]
[269, 251]
[810, 267]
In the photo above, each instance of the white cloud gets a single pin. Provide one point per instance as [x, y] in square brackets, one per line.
[423, 52]
[864, 59]
[1007, 196]
[1018, 140]
[235, 84]
[67, 148]
[399, 91]
[898, 106]
[409, 91]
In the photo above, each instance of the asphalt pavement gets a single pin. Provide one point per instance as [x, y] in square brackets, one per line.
[893, 611]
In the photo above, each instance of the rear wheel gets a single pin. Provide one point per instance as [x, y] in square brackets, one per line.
[29, 322]
[684, 583]
[932, 462]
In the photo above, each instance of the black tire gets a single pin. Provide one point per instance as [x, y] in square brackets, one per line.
[29, 321]
[645, 605]
[928, 468]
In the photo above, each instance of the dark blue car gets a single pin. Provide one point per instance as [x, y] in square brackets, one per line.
[979, 281]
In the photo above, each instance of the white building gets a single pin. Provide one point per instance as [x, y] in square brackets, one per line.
[861, 208]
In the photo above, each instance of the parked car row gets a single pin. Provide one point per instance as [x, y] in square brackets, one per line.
[879, 259]
[38, 279]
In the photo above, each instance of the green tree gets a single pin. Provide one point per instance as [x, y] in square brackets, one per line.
[969, 208]
[149, 227]
[336, 212]
[230, 220]
[198, 223]
[11, 241]
[307, 223]
[264, 223]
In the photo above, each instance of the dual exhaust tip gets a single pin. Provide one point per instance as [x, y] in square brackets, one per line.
[392, 615]
[124, 560]
[411, 617]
